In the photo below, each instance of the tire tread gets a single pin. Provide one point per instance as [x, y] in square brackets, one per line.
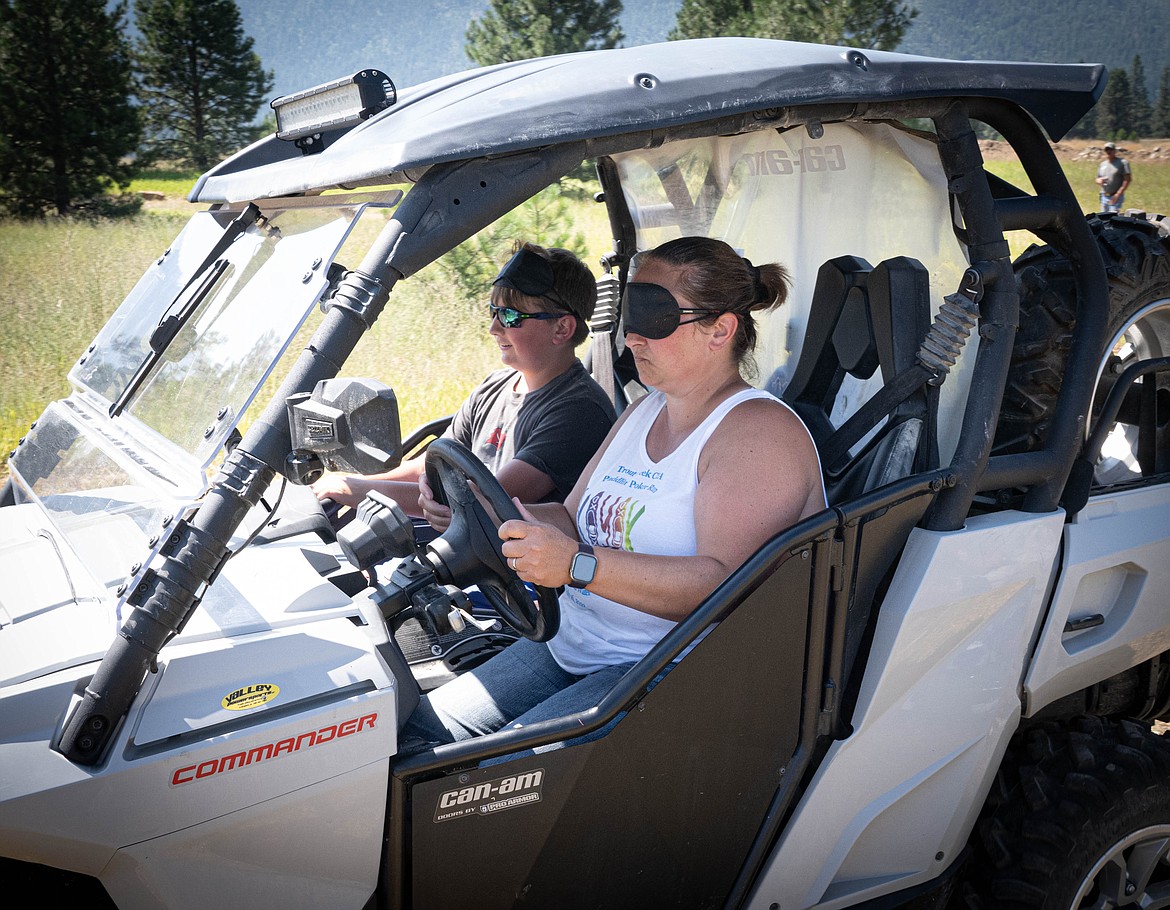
[1062, 788]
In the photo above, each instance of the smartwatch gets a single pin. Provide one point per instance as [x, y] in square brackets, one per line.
[583, 567]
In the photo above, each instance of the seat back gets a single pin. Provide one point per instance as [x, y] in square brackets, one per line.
[864, 319]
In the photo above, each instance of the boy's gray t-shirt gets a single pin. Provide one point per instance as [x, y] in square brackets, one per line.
[556, 429]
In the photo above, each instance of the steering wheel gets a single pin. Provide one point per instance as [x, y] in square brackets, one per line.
[469, 551]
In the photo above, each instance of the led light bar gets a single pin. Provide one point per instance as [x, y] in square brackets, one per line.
[333, 105]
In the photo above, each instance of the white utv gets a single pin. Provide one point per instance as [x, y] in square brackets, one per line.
[939, 692]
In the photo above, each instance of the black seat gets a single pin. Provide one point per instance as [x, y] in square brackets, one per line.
[863, 319]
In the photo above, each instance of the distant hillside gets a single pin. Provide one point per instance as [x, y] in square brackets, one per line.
[307, 42]
[1046, 31]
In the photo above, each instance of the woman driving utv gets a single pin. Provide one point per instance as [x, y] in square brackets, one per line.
[692, 479]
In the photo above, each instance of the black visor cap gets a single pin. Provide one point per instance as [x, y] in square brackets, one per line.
[528, 273]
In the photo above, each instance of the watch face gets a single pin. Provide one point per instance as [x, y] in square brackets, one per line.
[583, 568]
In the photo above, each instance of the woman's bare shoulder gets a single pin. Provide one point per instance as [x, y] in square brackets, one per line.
[768, 416]
[765, 433]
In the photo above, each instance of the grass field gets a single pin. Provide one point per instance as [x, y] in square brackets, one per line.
[60, 282]
[62, 279]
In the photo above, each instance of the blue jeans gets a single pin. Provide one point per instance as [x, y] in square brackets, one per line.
[521, 685]
[1107, 206]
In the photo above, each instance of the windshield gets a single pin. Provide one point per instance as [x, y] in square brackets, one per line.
[245, 306]
[109, 477]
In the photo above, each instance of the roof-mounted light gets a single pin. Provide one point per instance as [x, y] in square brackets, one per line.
[303, 116]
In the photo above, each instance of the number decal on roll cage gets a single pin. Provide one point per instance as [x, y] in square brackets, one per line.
[779, 162]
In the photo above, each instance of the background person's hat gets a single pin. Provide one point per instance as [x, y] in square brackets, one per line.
[1110, 145]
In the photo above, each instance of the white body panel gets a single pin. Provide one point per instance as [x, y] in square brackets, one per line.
[1117, 566]
[892, 805]
[51, 614]
[271, 720]
[326, 855]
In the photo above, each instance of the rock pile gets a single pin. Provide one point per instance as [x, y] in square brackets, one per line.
[1134, 153]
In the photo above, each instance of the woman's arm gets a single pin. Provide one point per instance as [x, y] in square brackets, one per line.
[758, 474]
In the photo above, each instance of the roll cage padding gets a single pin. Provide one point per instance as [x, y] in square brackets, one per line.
[998, 314]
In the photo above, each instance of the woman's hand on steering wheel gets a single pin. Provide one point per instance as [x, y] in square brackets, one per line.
[536, 551]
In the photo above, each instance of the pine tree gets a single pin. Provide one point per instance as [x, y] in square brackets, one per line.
[521, 29]
[1086, 127]
[712, 19]
[202, 84]
[1160, 120]
[1140, 108]
[1115, 109]
[65, 110]
[859, 23]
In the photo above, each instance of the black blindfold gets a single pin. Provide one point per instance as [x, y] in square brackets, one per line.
[651, 311]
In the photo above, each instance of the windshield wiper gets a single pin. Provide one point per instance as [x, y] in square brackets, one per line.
[171, 323]
[164, 333]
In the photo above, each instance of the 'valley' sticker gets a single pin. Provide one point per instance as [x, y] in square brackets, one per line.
[250, 697]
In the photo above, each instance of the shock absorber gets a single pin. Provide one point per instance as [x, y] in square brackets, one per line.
[952, 326]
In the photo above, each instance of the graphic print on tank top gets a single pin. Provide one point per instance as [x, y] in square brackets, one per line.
[641, 505]
[609, 519]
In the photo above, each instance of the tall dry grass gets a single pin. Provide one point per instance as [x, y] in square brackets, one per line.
[59, 282]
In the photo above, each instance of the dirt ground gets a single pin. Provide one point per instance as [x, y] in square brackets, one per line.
[1086, 149]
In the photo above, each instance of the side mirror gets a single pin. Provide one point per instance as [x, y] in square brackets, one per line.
[344, 425]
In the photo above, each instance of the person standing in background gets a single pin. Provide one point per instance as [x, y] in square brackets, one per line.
[1114, 175]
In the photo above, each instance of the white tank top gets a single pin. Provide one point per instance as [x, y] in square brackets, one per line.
[634, 503]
